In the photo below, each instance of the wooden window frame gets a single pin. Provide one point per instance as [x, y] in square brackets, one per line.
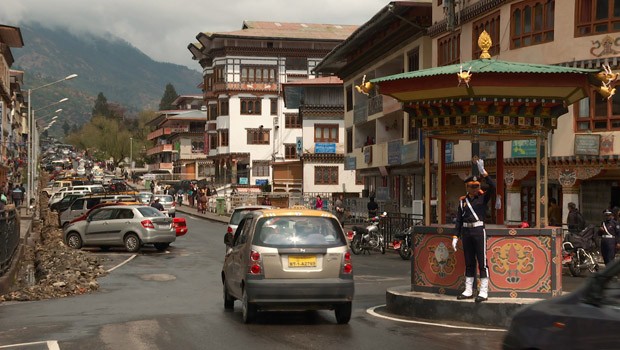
[224, 138]
[258, 74]
[327, 139]
[290, 151]
[544, 34]
[491, 24]
[449, 49]
[258, 136]
[330, 171]
[596, 121]
[413, 58]
[586, 23]
[273, 102]
[292, 121]
[250, 106]
[223, 107]
[260, 168]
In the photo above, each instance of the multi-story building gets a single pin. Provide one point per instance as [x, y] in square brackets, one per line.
[248, 128]
[583, 149]
[179, 139]
[316, 161]
[11, 101]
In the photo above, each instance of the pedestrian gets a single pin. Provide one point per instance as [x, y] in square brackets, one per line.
[340, 210]
[372, 207]
[190, 196]
[152, 185]
[470, 229]
[266, 200]
[17, 195]
[157, 205]
[575, 220]
[610, 232]
[318, 204]
[180, 197]
[555, 213]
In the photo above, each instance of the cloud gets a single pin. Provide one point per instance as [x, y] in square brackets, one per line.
[162, 29]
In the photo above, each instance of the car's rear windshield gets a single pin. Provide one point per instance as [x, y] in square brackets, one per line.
[298, 231]
[165, 198]
[238, 214]
[150, 212]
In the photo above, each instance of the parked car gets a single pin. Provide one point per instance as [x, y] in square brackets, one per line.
[97, 206]
[180, 226]
[289, 259]
[130, 226]
[237, 214]
[587, 318]
[168, 202]
[81, 205]
[65, 203]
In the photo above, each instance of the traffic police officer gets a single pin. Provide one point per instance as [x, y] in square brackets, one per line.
[610, 232]
[470, 229]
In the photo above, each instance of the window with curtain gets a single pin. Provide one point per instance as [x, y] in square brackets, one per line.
[326, 133]
[596, 17]
[596, 113]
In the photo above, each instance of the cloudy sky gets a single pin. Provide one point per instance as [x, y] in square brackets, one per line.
[162, 29]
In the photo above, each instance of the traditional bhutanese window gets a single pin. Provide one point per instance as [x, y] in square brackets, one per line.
[250, 106]
[449, 48]
[326, 133]
[531, 23]
[596, 113]
[260, 168]
[292, 121]
[224, 137]
[325, 175]
[596, 17]
[290, 151]
[258, 136]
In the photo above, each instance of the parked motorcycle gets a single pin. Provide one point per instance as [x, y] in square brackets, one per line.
[369, 238]
[580, 251]
[403, 244]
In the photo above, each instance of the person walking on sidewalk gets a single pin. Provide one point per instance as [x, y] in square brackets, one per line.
[470, 229]
[340, 211]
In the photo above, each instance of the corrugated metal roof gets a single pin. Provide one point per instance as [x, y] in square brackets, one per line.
[259, 29]
[487, 66]
[331, 80]
[11, 36]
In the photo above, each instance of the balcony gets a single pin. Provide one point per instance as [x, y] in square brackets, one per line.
[273, 86]
[378, 104]
[159, 132]
[160, 166]
[159, 149]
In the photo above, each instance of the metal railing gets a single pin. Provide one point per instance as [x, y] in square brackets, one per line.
[9, 238]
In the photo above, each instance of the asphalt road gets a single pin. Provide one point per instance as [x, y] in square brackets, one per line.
[173, 300]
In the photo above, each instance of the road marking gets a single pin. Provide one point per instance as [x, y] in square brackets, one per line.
[51, 344]
[372, 312]
[121, 264]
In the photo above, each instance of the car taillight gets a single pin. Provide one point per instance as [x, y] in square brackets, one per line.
[147, 224]
[229, 230]
[347, 266]
[255, 263]
[350, 234]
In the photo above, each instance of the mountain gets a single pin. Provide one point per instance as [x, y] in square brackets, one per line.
[110, 65]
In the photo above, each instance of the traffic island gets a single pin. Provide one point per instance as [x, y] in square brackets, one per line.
[495, 312]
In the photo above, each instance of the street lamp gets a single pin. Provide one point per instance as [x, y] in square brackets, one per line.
[31, 135]
[131, 155]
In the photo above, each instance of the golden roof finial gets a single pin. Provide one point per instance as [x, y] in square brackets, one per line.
[485, 43]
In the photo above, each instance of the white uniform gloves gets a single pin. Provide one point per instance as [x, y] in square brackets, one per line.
[454, 241]
[480, 164]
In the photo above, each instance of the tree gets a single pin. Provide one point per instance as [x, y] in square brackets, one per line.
[66, 127]
[106, 135]
[101, 107]
[169, 96]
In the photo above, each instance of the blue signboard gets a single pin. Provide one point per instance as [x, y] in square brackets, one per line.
[299, 146]
[261, 182]
[325, 148]
[523, 149]
[394, 152]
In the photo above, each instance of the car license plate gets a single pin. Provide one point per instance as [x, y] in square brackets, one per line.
[302, 261]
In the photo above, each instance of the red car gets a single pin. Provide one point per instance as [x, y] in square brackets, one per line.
[180, 225]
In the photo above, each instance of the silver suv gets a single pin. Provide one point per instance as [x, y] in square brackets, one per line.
[130, 226]
[289, 259]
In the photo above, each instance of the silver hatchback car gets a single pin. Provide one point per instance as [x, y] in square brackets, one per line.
[289, 259]
[168, 202]
[130, 226]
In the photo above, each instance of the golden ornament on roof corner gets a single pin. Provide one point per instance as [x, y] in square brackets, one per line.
[464, 77]
[606, 91]
[485, 43]
[607, 76]
[365, 87]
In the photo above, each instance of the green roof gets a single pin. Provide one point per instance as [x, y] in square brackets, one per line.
[487, 66]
